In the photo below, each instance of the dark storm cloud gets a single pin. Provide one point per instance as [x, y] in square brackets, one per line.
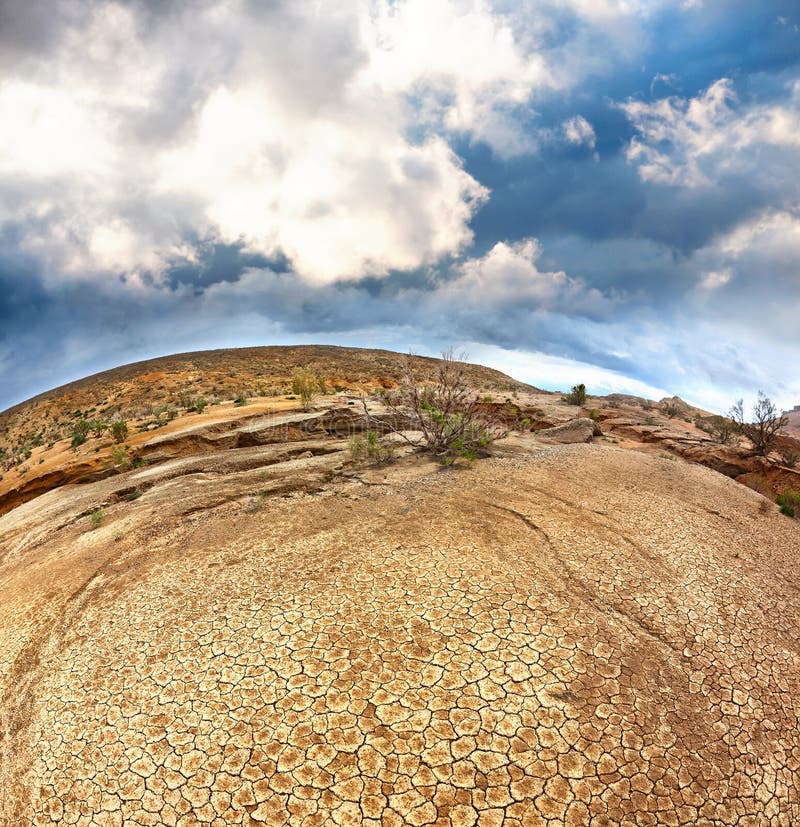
[217, 262]
[31, 27]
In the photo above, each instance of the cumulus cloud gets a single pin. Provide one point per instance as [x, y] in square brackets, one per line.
[317, 132]
[507, 278]
[696, 142]
[320, 132]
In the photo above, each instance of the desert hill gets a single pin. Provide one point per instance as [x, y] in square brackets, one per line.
[230, 618]
[793, 427]
[185, 404]
[136, 390]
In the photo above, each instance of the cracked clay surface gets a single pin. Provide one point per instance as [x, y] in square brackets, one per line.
[582, 636]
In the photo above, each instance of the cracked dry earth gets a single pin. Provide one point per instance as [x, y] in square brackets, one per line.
[577, 635]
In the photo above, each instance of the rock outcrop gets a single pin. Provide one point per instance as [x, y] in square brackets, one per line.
[574, 431]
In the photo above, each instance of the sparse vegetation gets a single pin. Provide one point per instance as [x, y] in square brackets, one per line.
[258, 501]
[759, 483]
[240, 401]
[789, 455]
[446, 413]
[80, 431]
[305, 385]
[788, 502]
[370, 447]
[119, 458]
[720, 428]
[96, 518]
[576, 396]
[766, 425]
[119, 430]
[98, 427]
[670, 410]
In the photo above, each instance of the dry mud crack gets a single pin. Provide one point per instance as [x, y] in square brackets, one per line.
[562, 638]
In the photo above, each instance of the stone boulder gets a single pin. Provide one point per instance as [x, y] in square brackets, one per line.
[576, 430]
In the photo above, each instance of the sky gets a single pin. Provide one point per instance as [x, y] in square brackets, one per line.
[597, 191]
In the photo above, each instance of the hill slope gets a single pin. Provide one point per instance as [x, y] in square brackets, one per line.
[134, 391]
[561, 635]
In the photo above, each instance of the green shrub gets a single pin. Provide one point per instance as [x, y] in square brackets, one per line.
[446, 413]
[240, 401]
[305, 385]
[120, 458]
[119, 430]
[96, 518]
[98, 426]
[80, 431]
[720, 428]
[789, 502]
[370, 447]
[577, 396]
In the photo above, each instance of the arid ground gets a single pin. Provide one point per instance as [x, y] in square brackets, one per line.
[232, 622]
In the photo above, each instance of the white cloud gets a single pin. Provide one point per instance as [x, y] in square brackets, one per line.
[697, 141]
[317, 130]
[579, 131]
[507, 276]
[463, 60]
[295, 129]
[340, 196]
[715, 279]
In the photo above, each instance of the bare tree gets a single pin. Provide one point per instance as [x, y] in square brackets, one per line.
[766, 425]
[721, 429]
[446, 413]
